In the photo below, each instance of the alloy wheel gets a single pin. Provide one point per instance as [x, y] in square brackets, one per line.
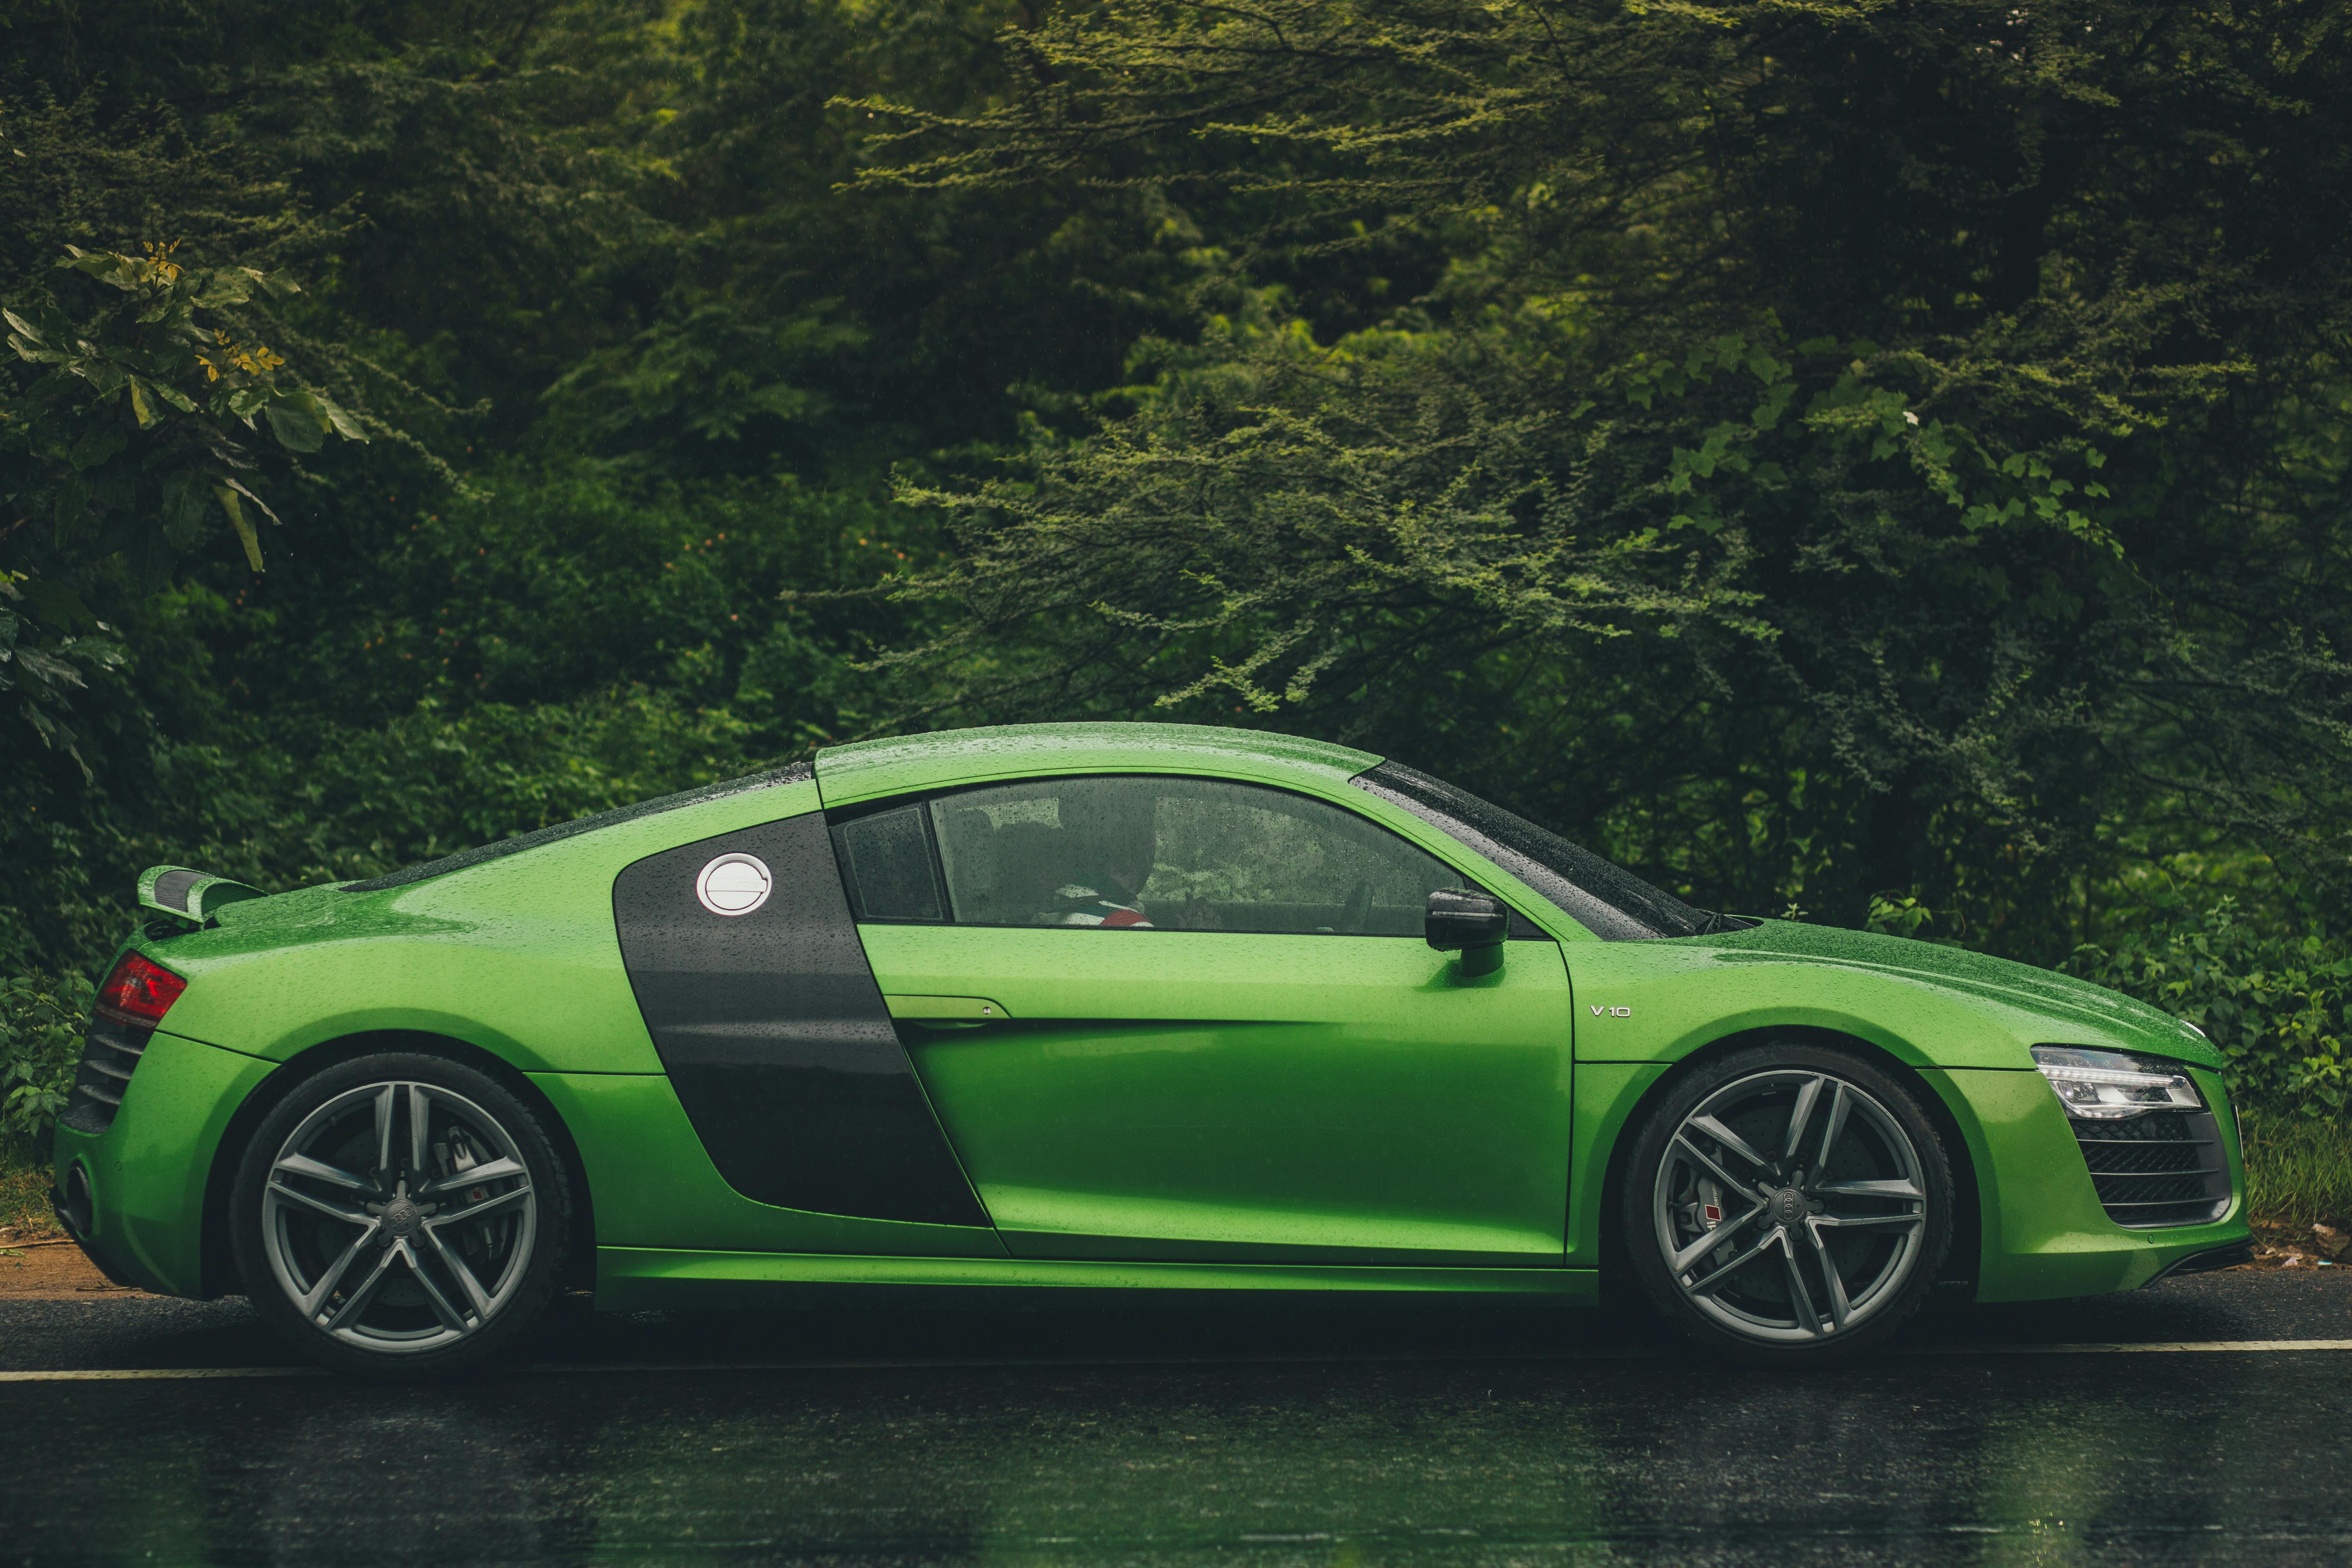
[1789, 1206]
[399, 1217]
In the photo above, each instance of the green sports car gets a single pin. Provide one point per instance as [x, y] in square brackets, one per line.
[1133, 1006]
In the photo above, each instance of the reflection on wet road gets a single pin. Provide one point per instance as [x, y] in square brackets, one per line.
[1502, 1457]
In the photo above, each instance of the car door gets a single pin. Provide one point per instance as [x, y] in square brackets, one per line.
[1176, 1017]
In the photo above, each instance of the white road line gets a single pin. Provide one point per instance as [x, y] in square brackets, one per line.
[2120, 1347]
[2125, 1347]
[146, 1374]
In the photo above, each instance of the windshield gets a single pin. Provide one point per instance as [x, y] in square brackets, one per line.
[1607, 899]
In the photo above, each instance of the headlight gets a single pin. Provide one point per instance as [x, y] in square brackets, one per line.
[2107, 1086]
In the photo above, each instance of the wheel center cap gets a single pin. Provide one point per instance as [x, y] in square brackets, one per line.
[400, 1218]
[1786, 1206]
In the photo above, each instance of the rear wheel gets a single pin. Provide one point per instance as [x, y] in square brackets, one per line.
[401, 1215]
[1788, 1203]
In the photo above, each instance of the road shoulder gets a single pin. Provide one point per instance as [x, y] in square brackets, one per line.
[56, 1271]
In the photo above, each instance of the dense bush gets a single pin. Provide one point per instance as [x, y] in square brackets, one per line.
[41, 1022]
[2280, 1007]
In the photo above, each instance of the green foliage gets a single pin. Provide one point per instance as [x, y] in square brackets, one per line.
[141, 419]
[2279, 1007]
[1823, 462]
[141, 406]
[1902, 916]
[1279, 519]
[41, 1024]
[406, 681]
[83, 166]
[48, 641]
[579, 252]
[127, 431]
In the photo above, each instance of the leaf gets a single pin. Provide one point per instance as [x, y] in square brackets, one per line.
[255, 499]
[184, 510]
[345, 426]
[27, 351]
[48, 667]
[98, 652]
[101, 441]
[226, 287]
[53, 603]
[296, 426]
[73, 496]
[103, 375]
[275, 284]
[245, 533]
[105, 266]
[140, 409]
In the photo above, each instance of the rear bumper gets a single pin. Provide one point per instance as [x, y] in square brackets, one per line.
[147, 1175]
[65, 1213]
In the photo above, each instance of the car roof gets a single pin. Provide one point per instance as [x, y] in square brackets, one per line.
[945, 758]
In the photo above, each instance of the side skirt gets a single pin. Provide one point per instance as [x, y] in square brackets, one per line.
[639, 1278]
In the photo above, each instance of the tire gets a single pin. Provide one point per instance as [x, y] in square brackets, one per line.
[381, 1253]
[1813, 1264]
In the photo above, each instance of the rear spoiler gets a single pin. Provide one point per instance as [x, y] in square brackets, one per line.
[187, 894]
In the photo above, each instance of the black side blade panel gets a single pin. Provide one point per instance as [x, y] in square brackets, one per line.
[774, 1033]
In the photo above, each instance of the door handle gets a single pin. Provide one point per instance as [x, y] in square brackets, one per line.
[946, 1012]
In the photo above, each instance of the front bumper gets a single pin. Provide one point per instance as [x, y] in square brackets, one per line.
[2044, 1233]
[139, 1209]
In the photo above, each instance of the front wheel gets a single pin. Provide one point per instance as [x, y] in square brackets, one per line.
[1788, 1203]
[401, 1215]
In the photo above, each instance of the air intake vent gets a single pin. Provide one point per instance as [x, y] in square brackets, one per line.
[109, 1054]
[2164, 1168]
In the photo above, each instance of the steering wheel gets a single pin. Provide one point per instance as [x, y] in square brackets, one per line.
[1357, 912]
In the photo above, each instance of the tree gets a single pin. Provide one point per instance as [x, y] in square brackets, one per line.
[144, 419]
[1835, 461]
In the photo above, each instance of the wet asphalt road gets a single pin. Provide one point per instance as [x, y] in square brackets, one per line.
[1462, 1434]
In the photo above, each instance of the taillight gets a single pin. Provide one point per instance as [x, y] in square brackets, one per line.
[138, 993]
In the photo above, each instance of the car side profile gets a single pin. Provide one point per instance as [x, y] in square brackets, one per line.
[1144, 1007]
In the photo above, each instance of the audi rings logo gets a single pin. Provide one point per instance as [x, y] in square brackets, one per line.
[734, 885]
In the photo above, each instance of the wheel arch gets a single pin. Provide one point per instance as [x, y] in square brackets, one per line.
[219, 1270]
[1966, 1257]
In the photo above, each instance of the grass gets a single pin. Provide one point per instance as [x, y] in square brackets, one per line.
[2299, 1171]
[25, 1194]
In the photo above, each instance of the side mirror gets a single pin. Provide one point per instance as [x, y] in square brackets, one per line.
[1472, 923]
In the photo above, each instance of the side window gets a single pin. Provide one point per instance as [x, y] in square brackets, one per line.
[886, 863]
[1176, 854]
